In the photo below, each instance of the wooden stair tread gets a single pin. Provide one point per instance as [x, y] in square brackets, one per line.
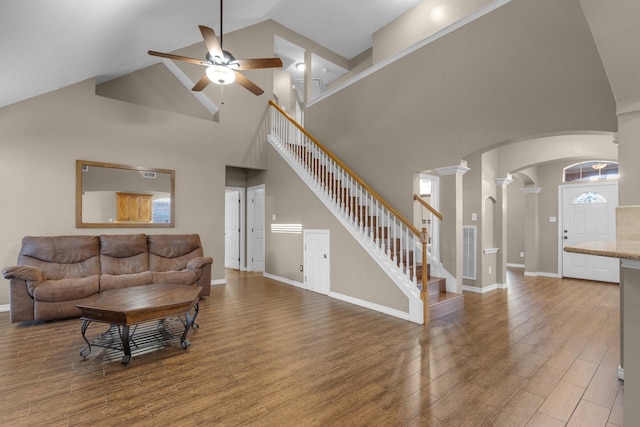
[445, 303]
[442, 297]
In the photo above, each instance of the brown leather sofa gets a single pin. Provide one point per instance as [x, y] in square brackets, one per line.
[56, 273]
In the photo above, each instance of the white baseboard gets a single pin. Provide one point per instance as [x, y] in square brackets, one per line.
[541, 274]
[371, 306]
[351, 300]
[218, 282]
[545, 274]
[515, 265]
[284, 280]
[476, 290]
[5, 308]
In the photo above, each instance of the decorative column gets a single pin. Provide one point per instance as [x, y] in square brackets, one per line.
[501, 230]
[531, 230]
[451, 229]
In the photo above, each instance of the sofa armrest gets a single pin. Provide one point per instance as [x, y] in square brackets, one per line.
[199, 263]
[202, 266]
[22, 280]
[23, 272]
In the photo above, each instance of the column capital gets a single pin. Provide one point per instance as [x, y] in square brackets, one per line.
[503, 182]
[532, 190]
[452, 170]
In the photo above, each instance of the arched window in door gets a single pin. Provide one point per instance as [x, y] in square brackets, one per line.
[589, 197]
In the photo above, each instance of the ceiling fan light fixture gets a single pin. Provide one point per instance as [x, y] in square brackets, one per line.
[220, 74]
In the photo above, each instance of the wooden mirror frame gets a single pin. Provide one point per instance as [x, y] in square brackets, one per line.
[81, 224]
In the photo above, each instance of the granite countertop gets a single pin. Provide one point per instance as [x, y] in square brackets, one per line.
[623, 249]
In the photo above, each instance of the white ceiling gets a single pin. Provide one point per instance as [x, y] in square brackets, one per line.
[49, 44]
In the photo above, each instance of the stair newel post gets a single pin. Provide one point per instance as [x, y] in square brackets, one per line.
[424, 295]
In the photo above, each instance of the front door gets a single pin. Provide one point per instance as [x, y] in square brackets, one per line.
[588, 214]
[317, 261]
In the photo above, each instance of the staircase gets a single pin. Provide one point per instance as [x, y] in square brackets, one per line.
[440, 301]
[385, 234]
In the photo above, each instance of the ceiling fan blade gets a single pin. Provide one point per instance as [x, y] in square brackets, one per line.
[249, 64]
[179, 58]
[202, 83]
[248, 84]
[210, 39]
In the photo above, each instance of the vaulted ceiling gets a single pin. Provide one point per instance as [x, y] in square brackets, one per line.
[47, 44]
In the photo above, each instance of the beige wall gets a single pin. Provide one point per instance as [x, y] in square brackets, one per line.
[498, 79]
[353, 272]
[628, 137]
[42, 137]
[419, 23]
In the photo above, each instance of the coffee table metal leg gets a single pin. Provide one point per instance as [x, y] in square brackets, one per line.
[194, 325]
[84, 352]
[189, 323]
[124, 335]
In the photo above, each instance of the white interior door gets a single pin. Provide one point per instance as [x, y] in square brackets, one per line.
[256, 221]
[232, 229]
[317, 276]
[588, 214]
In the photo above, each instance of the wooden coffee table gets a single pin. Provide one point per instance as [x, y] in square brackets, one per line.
[127, 307]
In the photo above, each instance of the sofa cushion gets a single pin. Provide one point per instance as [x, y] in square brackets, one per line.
[119, 281]
[169, 252]
[62, 256]
[65, 289]
[124, 254]
[184, 277]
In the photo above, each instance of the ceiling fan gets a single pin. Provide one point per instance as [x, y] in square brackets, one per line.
[222, 67]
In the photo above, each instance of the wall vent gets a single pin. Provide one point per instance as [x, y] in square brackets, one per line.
[146, 174]
[469, 253]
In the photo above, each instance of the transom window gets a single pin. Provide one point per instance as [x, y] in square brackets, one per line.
[592, 170]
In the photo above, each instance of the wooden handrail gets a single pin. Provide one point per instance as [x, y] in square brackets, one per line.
[428, 206]
[347, 169]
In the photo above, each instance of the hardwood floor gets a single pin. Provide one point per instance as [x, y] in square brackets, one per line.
[543, 353]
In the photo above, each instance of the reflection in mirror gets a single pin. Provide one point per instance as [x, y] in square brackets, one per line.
[111, 195]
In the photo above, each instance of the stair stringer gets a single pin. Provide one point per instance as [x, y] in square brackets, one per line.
[406, 286]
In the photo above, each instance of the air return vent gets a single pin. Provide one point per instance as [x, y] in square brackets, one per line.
[469, 260]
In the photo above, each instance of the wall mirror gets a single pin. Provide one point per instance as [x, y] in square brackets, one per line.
[120, 196]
